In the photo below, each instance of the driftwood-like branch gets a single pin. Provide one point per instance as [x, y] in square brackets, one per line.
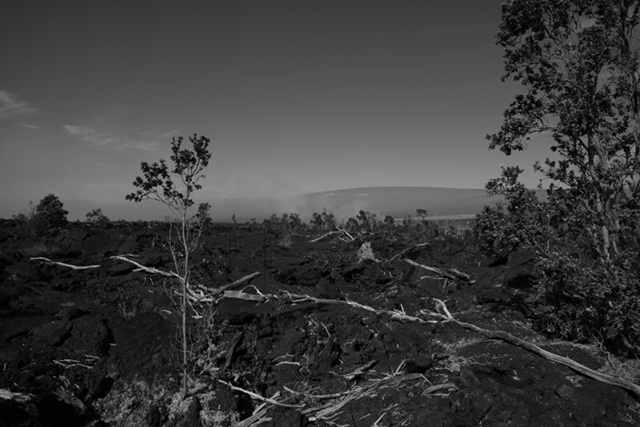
[147, 269]
[300, 298]
[450, 273]
[259, 415]
[351, 239]
[239, 281]
[317, 239]
[331, 409]
[608, 379]
[64, 264]
[261, 398]
[407, 250]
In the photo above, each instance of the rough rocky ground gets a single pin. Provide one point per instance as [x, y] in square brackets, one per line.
[99, 346]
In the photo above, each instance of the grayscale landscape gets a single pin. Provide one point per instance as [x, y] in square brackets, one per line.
[286, 213]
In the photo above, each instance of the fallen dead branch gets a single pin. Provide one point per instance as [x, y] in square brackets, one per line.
[351, 238]
[145, 268]
[446, 316]
[290, 298]
[438, 387]
[258, 416]
[258, 397]
[360, 370]
[370, 388]
[239, 281]
[318, 396]
[317, 239]
[64, 264]
[450, 273]
[406, 251]
[16, 397]
[71, 363]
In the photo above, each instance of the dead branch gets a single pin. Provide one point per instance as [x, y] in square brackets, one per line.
[451, 273]
[259, 415]
[17, 397]
[317, 239]
[261, 398]
[360, 370]
[351, 239]
[64, 264]
[300, 298]
[147, 269]
[319, 396]
[70, 363]
[501, 335]
[438, 387]
[368, 389]
[239, 281]
[608, 379]
[407, 250]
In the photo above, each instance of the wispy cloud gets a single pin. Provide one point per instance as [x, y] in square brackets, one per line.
[109, 140]
[11, 107]
[156, 133]
[97, 139]
[30, 126]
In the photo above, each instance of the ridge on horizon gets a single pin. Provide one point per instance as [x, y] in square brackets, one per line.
[396, 201]
[389, 187]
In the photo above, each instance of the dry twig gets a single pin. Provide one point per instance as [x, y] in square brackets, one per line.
[451, 273]
[64, 264]
[261, 398]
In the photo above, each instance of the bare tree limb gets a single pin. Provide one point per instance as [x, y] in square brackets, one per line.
[239, 281]
[317, 239]
[258, 397]
[451, 273]
[147, 269]
[64, 264]
[608, 379]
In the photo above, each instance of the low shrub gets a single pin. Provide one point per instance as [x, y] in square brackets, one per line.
[584, 300]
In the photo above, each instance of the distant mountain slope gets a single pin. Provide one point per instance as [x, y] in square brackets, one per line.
[395, 201]
[402, 201]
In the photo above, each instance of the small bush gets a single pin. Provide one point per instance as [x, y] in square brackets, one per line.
[518, 223]
[581, 299]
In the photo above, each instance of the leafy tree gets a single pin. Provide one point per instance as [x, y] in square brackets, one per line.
[389, 221]
[325, 221]
[47, 217]
[174, 188]
[367, 220]
[97, 217]
[519, 222]
[579, 63]
[204, 216]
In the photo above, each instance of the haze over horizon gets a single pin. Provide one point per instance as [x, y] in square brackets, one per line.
[296, 97]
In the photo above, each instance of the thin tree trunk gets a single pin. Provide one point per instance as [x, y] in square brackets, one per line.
[185, 282]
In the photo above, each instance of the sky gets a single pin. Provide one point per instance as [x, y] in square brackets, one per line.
[296, 96]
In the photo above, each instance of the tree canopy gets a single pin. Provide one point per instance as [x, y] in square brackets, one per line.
[578, 61]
